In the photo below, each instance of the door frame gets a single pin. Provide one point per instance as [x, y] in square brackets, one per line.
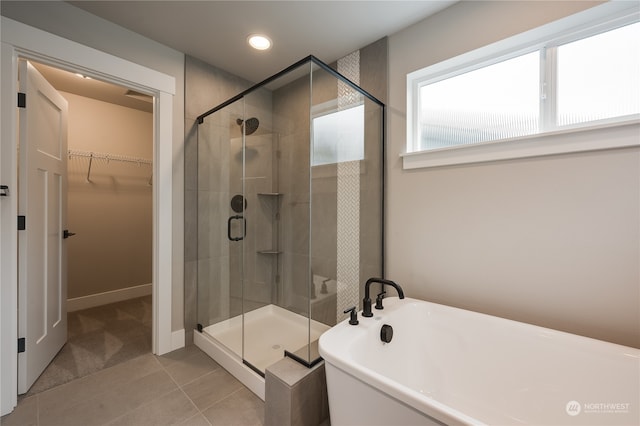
[23, 41]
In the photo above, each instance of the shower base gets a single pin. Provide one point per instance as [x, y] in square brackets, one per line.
[268, 332]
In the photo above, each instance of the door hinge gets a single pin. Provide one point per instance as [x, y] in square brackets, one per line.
[22, 100]
[4, 191]
[21, 345]
[22, 223]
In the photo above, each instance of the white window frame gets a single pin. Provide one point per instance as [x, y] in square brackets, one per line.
[551, 139]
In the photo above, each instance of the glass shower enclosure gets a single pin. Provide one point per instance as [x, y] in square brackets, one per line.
[290, 192]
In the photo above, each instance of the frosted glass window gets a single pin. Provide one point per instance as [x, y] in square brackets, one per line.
[495, 102]
[576, 74]
[598, 77]
[339, 136]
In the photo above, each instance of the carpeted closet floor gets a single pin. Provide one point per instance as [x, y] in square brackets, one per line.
[99, 338]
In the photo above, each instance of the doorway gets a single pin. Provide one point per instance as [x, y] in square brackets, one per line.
[23, 41]
[109, 216]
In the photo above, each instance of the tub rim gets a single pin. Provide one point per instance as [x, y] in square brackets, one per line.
[416, 400]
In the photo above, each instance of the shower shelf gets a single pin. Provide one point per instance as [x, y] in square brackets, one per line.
[270, 194]
[269, 252]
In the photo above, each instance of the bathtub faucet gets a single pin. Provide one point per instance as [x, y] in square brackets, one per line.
[366, 302]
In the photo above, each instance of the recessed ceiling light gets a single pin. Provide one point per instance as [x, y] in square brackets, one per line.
[259, 42]
[83, 76]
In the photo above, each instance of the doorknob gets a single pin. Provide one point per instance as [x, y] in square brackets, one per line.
[66, 234]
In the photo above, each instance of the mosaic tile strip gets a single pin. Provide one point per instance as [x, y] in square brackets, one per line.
[348, 182]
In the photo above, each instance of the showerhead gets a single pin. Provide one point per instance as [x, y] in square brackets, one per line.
[250, 125]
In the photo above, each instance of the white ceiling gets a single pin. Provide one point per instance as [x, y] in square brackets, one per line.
[95, 89]
[216, 31]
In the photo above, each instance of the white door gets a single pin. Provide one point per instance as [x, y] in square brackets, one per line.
[42, 267]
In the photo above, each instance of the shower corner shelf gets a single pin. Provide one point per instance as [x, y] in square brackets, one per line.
[270, 194]
[269, 252]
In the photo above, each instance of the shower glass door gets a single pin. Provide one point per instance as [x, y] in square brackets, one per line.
[261, 250]
[289, 213]
[221, 225]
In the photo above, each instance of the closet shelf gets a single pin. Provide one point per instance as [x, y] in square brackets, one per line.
[107, 157]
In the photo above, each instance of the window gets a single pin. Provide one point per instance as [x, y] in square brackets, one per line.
[339, 136]
[495, 102]
[598, 76]
[548, 80]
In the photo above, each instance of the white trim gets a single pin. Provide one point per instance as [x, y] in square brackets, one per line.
[72, 56]
[9, 240]
[104, 298]
[177, 339]
[553, 143]
[19, 40]
[230, 362]
[162, 223]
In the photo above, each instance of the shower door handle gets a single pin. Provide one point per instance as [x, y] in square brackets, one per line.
[244, 232]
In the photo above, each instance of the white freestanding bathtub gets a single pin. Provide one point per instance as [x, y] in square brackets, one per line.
[450, 366]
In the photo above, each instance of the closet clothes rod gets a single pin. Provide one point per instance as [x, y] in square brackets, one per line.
[107, 157]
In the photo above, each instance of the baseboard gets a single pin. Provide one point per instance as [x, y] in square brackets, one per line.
[84, 302]
[177, 339]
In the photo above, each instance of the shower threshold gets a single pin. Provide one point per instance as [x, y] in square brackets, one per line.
[268, 332]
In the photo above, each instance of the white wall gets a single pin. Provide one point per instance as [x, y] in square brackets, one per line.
[112, 214]
[553, 241]
[67, 21]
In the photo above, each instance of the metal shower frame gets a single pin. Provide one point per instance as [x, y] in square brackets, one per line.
[327, 68]
[337, 75]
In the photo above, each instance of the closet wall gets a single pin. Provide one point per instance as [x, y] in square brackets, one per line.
[111, 213]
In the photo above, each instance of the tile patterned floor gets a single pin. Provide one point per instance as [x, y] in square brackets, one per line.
[184, 387]
[99, 337]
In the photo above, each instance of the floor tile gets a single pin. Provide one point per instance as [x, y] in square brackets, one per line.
[168, 409]
[191, 367]
[111, 404]
[25, 414]
[241, 408]
[211, 388]
[197, 420]
[98, 338]
[178, 355]
[98, 383]
[183, 387]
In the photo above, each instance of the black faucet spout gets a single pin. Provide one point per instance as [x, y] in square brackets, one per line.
[366, 302]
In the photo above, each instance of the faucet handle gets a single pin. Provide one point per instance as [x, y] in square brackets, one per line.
[353, 319]
[379, 298]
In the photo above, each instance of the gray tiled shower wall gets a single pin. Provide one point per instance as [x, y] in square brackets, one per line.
[205, 87]
[207, 206]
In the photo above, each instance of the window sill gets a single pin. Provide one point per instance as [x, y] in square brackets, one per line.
[553, 143]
